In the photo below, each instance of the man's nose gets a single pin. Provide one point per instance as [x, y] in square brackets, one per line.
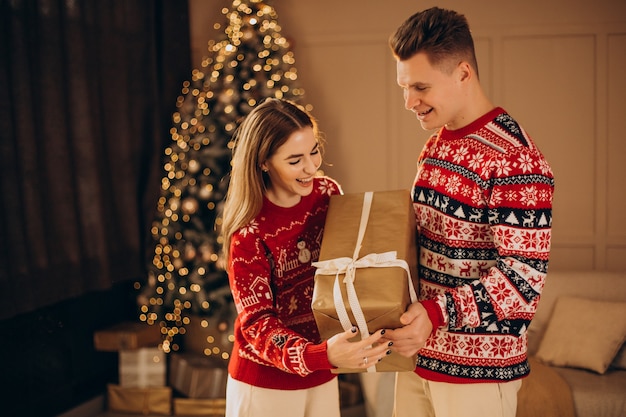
[411, 100]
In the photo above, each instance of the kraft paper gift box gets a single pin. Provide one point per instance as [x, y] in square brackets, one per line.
[198, 376]
[146, 401]
[372, 235]
[127, 335]
[208, 407]
[144, 367]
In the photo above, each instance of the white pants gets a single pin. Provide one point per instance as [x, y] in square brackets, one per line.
[416, 397]
[245, 400]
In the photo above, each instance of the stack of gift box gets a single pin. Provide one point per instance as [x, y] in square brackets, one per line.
[142, 369]
[198, 374]
[188, 383]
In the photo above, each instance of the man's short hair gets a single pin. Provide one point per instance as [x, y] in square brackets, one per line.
[443, 35]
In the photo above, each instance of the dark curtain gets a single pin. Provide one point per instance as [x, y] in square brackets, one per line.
[87, 88]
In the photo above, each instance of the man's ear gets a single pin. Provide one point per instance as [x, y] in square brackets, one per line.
[465, 71]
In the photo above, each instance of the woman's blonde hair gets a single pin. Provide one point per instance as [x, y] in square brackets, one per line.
[266, 128]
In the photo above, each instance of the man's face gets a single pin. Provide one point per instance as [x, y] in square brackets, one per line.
[435, 96]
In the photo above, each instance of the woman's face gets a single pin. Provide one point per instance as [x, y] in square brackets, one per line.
[292, 167]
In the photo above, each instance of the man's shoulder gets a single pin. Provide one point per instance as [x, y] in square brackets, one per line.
[501, 134]
[505, 125]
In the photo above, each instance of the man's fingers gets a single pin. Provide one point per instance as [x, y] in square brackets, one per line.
[410, 314]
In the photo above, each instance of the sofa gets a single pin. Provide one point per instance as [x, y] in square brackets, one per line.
[576, 371]
[576, 347]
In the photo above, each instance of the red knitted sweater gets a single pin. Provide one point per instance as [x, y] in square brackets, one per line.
[277, 344]
[483, 200]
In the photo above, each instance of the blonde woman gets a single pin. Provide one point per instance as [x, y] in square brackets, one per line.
[273, 222]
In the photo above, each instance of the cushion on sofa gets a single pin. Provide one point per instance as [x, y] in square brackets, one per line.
[592, 285]
[620, 359]
[596, 395]
[583, 333]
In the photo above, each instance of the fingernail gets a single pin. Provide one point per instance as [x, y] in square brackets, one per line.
[353, 329]
[390, 344]
[388, 352]
[382, 331]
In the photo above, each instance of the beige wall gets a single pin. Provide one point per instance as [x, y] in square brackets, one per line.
[557, 66]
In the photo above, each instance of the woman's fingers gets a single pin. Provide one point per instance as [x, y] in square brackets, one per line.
[358, 354]
[371, 349]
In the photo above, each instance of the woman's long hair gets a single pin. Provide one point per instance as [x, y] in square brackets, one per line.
[263, 131]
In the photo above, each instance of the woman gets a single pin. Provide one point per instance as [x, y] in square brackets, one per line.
[273, 221]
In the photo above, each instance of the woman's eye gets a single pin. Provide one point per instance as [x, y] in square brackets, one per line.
[315, 152]
[296, 162]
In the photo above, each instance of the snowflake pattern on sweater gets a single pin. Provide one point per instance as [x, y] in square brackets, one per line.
[483, 201]
[277, 344]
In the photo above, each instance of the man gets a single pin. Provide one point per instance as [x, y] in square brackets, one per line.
[483, 204]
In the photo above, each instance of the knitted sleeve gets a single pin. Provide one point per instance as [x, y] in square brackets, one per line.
[518, 198]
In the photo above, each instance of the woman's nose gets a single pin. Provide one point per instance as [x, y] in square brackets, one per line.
[310, 167]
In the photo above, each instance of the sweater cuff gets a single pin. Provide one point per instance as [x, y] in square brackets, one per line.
[317, 356]
[434, 313]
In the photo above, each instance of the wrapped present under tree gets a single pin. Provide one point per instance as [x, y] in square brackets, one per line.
[126, 336]
[198, 376]
[205, 407]
[144, 367]
[152, 400]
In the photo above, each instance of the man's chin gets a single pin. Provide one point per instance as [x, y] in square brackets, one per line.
[428, 126]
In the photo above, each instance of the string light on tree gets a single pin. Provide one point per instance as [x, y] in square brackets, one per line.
[250, 61]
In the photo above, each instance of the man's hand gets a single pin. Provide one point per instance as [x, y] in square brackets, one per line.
[410, 338]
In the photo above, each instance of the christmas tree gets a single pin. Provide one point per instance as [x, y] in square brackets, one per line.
[250, 61]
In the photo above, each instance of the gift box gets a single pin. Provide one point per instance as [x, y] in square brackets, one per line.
[207, 407]
[146, 401]
[367, 270]
[198, 376]
[127, 335]
[143, 367]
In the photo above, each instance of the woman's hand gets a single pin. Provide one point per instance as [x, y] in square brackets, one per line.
[362, 354]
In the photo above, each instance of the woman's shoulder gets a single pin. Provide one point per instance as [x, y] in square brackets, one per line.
[325, 185]
[248, 233]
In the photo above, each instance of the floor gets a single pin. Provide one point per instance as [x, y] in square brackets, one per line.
[95, 407]
[352, 412]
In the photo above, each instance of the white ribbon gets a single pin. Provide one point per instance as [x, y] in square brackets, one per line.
[348, 266]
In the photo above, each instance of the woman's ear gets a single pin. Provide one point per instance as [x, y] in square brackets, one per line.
[264, 167]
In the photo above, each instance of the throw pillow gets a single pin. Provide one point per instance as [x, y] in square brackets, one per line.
[620, 359]
[583, 333]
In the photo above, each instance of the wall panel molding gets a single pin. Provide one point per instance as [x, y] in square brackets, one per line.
[556, 66]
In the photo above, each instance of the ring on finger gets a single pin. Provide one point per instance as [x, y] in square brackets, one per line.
[365, 360]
